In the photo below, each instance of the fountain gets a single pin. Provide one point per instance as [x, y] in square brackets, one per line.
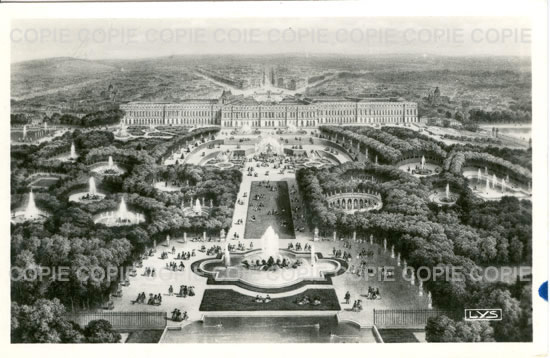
[376, 160]
[487, 185]
[222, 160]
[444, 198]
[197, 209]
[31, 212]
[45, 126]
[270, 243]
[122, 213]
[91, 195]
[422, 163]
[109, 168]
[269, 266]
[92, 190]
[122, 216]
[24, 131]
[479, 174]
[245, 129]
[291, 128]
[486, 171]
[73, 152]
[227, 255]
[502, 184]
[494, 181]
[122, 132]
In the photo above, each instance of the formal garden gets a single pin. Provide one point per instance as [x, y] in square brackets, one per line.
[269, 205]
[120, 219]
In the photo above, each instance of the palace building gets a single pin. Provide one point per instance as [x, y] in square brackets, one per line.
[230, 111]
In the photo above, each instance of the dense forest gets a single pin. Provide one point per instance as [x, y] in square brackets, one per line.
[69, 237]
[471, 234]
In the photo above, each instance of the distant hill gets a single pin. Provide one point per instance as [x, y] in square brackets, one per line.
[57, 66]
[30, 78]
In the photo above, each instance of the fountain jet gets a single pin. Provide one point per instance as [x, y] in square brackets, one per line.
[111, 162]
[227, 255]
[73, 151]
[422, 163]
[198, 208]
[447, 192]
[122, 213]
[270, 242]
[92, 190]
[31, 211]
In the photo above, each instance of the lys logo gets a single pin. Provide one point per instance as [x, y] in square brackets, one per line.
[483, 314]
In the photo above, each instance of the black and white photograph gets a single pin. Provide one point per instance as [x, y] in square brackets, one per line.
[276, 179]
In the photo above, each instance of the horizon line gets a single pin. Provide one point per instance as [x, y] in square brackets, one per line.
[316, 54]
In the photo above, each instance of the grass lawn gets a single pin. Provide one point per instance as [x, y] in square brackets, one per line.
[229, 300]
[45, 182]
[273, 200]
[398, 335]
[146, 336]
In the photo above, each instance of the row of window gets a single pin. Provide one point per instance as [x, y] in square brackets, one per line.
[276, 123]
[248, 114]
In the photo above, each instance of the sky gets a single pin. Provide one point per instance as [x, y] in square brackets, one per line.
[146, 38]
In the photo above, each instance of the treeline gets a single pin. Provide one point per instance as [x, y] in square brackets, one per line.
[465, 236]
[167, 147]
[19, 119]
[100, 118]
[520, 115]
[390, 144]
[421, 143]
[69, 237]
[44, 322]
[521, 157]
[33, 247]
[385, 152]
[457, 160]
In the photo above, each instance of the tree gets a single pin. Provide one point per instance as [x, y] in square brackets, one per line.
[440, 329]
[508, 329]
[101, 331]
[444, 329]
[42, 322]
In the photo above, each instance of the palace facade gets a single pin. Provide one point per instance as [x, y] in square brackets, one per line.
[301, 112]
